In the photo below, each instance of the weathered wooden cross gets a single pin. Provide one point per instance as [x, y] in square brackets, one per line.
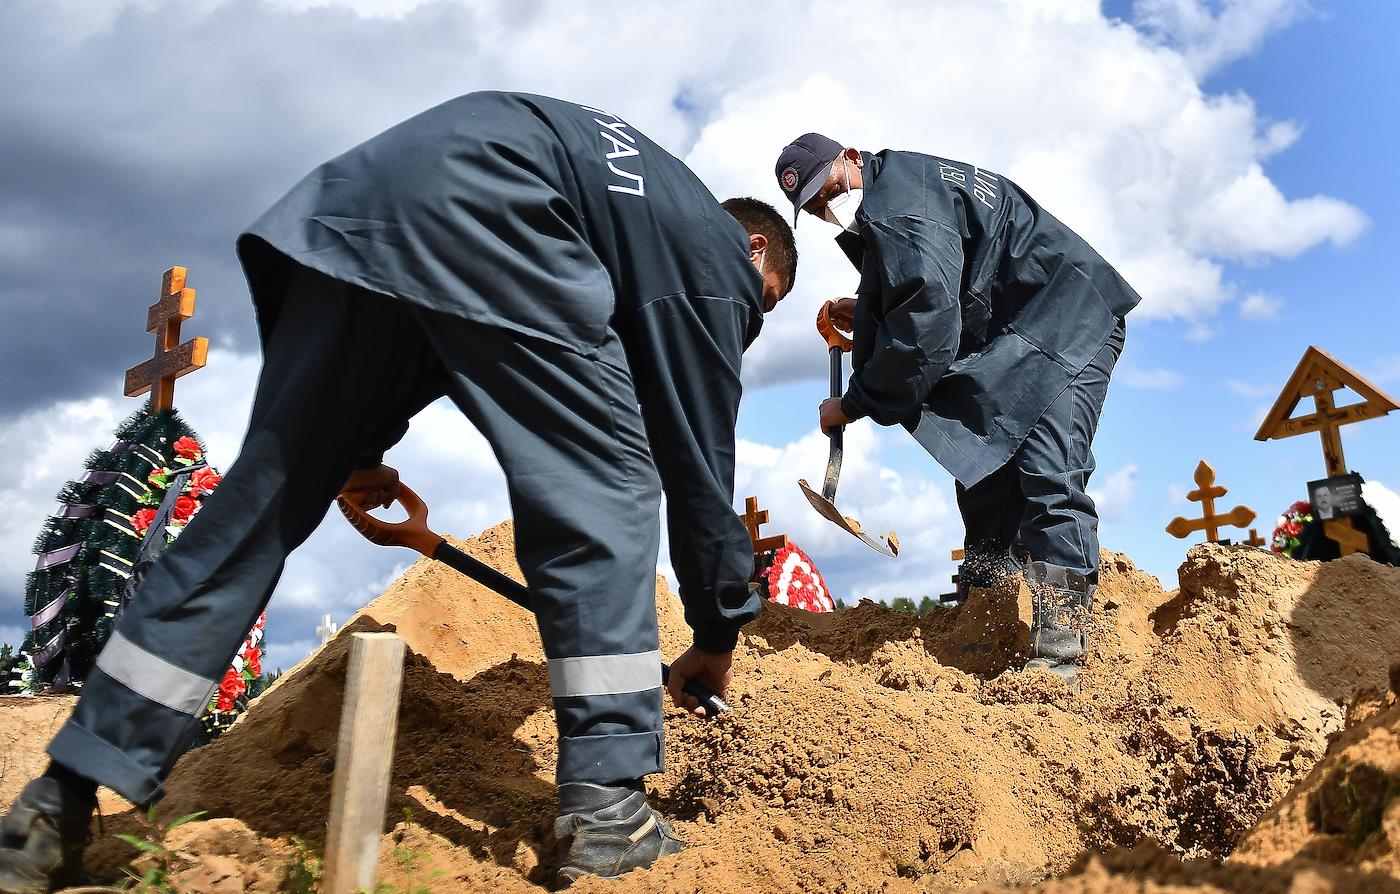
[1206, 493]
[1318, 375]
[754, 518]
[1254, 539]
[172, 359]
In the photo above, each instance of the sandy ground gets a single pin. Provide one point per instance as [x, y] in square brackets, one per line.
[1237, 735]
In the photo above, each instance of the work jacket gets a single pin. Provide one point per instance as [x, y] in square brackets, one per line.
[975, 309]
[550, 220]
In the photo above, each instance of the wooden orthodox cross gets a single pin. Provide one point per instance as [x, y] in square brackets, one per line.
[1254, 539]
[754, 518]
[1318, 375]
[172, 359]
[1206, 493]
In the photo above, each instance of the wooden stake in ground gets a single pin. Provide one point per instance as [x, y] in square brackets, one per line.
[1206, 493]
[1255, 540]
[172, 359]
[753, 519]
[1318, 376]
[363, 760]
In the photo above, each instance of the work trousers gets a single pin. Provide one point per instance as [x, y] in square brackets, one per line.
[1038, 504]
[342, 366]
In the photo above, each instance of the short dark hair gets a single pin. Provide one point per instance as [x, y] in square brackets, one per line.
[757, 216]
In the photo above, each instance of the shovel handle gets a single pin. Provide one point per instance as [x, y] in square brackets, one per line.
[413, 532]
[834, 337]
[837, 434]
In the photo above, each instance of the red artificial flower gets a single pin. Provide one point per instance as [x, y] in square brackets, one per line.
[184, 508]
[204, 481]
[232, 686]
[142, 519]
[187, 447]
[794, 580]
[224, 703]
[1291, 528]
[1302, 507]
[252, 662]
[159, 478]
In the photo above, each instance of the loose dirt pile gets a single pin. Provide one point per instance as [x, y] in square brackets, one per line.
[876, 751]
[26, 726]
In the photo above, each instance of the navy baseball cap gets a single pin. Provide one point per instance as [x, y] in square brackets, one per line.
[802, 168]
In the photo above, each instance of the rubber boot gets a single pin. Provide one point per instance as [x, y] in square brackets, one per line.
[610, 829]
[43, 837]
[1060, 601]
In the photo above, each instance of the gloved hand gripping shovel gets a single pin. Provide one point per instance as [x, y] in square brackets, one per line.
[825, 502]
[415, 534]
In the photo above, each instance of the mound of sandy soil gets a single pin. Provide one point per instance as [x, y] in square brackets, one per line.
[877, 751]
[1347, 811]
[26, 726]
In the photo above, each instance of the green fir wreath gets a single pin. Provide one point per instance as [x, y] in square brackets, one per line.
[88, 549]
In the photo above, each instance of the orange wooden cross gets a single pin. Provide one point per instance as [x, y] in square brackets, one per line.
[753, 518]
[171, 359]
[1206, 493]
[1254, 539]
[1318, 375]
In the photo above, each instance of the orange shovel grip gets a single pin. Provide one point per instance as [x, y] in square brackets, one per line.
[834, 337]
[413, 532]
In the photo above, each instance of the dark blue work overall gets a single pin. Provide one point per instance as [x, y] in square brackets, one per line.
[989, 330]
[585, 301]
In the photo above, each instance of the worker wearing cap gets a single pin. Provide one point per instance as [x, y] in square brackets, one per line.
[585, 301]
[989, 330]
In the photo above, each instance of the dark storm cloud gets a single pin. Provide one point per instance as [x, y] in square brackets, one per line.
[153, 141]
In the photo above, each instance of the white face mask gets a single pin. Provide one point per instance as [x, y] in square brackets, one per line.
[841, 210]
[760, 260]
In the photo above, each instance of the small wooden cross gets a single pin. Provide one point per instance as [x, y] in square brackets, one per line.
[754, 518]
[1254, 539]
[171, 359]
[1206, 493]
[1318, 375]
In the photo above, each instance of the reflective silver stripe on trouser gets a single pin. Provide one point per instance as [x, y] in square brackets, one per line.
[155, 678]
[604, 674]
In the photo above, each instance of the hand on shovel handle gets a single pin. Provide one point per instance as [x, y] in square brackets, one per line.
[698, 679]
[835, 315]
[372, 488]
[830, 415]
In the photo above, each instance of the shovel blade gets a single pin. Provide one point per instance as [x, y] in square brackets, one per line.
[887, 546]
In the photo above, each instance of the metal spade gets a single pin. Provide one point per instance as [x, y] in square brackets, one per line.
[825, 502]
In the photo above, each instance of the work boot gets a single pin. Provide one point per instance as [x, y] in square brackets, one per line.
[611, 829]
[983, 568]
[43, 837]
[1060, 601]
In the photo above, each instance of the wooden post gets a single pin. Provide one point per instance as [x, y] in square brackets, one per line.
[364, 757]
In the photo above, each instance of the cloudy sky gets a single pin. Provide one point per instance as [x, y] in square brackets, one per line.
[1232, 157]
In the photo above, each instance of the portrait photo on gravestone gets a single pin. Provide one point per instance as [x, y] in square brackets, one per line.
[1338, 497]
